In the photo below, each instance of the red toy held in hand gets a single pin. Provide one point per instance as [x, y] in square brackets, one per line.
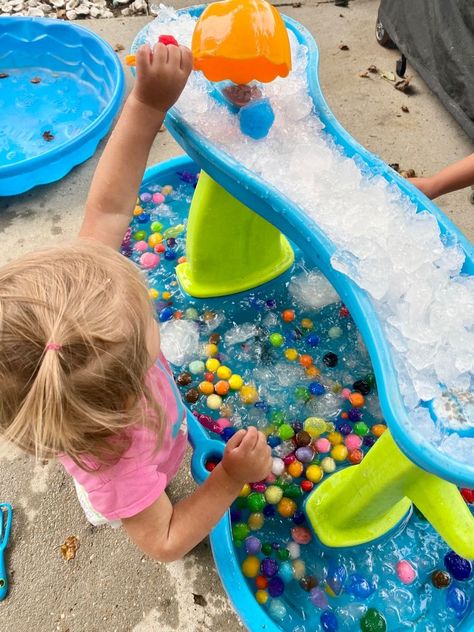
[167, 40]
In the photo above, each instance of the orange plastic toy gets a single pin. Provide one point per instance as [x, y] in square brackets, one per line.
[241, 40]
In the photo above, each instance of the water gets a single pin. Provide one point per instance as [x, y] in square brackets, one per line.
[411, 273]
[241, 327]
[42, 109]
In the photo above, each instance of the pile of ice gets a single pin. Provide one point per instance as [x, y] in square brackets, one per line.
[412, 274]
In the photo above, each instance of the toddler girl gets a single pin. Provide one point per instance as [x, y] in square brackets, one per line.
[81, 373]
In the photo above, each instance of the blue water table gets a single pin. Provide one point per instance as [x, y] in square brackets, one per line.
[362, 525]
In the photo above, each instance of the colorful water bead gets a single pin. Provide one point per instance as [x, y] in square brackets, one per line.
[286, 507]
[214, 402]
[328, 465]
[318, 598]
[329, 621]
[196, 367]
[339, 453]
[261, 596]
[305, 455]
[291, 354]
[330, 359]
[295, 469]
[255, 521]
[288, 315]
[373, 621]
[248, 394]
[268, 567]
[273, 494]
[276, 586]
[278, 466]
[277, 609]
[314, 473]
[251, 566]
[405, 572]
[315, 426]
[235, 382]
[440, 579]
[301, 535]
[206, 388]
[359, 587]
[240, 531]
[276, 339]
[256, 502]
[457, 566]
[456, 600]
[337, 575]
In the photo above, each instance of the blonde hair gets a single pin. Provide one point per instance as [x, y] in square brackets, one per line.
[80, 397]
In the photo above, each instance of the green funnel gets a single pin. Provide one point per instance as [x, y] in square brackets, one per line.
[364, 502]
[229, 248]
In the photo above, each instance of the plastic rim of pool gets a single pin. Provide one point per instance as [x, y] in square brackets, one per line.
[60, 89]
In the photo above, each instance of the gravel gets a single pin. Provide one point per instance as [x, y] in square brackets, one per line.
[74, 9]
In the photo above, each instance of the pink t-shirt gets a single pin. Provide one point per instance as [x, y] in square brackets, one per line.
[141, 475]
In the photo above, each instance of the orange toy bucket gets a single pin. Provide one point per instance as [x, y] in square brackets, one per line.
[242, 41]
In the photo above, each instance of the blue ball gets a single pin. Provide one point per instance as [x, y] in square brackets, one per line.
[456, 600]
[165, 314]
[459, 567]
[273, 441]
[227, 433]
[270, 303]
[143, 218]
[286, 572]
[170, 255]
[299, 517]
[275, 587]
[329, 621]
[313, 340]
[235, 515]
[269, 511]
[316, 388]
[256, 119]
[359, 586]
[290, 336]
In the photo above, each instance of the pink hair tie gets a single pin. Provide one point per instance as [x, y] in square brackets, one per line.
[53, 346]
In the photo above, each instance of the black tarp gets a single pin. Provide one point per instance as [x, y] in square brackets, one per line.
[437, 38]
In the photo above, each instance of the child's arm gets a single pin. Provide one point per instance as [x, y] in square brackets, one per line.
[166, 533]
[161, 78]
[456, 176]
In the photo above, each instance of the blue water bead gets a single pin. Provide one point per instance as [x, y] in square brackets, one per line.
[270, 303]
[269, 511]
[313, 340]
[143, 218]
[329, 621]
[359, 586]
[256, 119]
[269, 567]
[276, 546]
[273, 441]
[369, 441]
[256, 303]
[337, 575]
[276, 586]
[286, 572]
[170, 255]
[252, 545]
[457, 600]
[354, 415]
[235, 515]
[304, 454]
[299, 517]
[227, 433]
[166, 314]
[297, 426]
[316, 388]
[261, 405]
[277, 609]
[457, 566]
[345, 429]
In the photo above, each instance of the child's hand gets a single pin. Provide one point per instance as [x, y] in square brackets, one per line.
[161, 75]
[247, 457]
[426, 185]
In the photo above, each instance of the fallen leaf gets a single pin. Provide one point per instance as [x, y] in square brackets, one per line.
[343, 47]
[395, 166]
[364, 74]
[408, 173]
[199, 600]
[405, 108]
[403, 84]
[389, 76]
[372, 68]
[3, 75]
[340, 15]
[48, 137]
[119, 47]
[35, 80]
[69, 548]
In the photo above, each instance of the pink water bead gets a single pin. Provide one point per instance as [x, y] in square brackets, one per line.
[149, 260]
[405, 572]
[271, 478]
[223, 422]
[158, 198]
[140, 246]
[301, 535]
[323, 446]
[345, 393]
[353, 442]
[290, 458]
[258, 487]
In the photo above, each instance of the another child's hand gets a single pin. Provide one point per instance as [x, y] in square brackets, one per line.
[426, 185]
[247, 457]
[161, 75]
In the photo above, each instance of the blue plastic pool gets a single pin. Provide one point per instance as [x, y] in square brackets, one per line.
[60, 88]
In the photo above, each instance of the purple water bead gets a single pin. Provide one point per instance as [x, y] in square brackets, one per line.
[276, 586]
[235, 515]
[252, 545]
[318, 598]
[459, 567]
[369, 441]
[354, 415]
[269, 511]
[268, 567]
[304, 454]
[345, 429]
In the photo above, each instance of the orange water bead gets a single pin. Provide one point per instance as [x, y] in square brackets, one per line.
[206, 388]
[355, 456]
[222, 387]
[261, 582]
[288, 315]
[182, 260]
[307, 323]
[357, 400]
[306, 360]
[178, 315]
[295, 469]
[286, 507]
[378, 429]
[312, 371]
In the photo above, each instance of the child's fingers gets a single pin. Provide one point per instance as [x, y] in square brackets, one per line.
[174, 56]
[143, 57]
[186, 59]
[160, 54]
[250, 440]
[236, 439]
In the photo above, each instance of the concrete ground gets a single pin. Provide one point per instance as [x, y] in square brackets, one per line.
[110, 586]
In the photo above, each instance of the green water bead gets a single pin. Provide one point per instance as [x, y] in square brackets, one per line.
[361, 429]
[156, 227]
[276, 340]
[240, 531]
[139, 235]
[283, 554]
[293, 491]
[335, 332]
[373, 621]
[277, 417]
[241, 502]
[267, 548]
[173, 231]
[256, 501]
[285, 432]
[302, 393]
[370, 379]
[191, 314]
